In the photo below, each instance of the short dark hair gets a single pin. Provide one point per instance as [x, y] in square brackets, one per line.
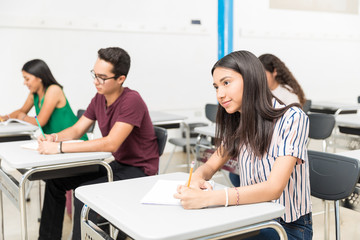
[40, 69]
[118, 57]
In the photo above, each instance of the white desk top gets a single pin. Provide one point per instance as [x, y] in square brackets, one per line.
[119, 202]
[348, 120]
[352, 154]
[16, 128]
[335, 105]
[206, 130]
[159, 117]
[19, 157]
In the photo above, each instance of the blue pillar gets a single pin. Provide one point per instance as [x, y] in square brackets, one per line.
[225, 27]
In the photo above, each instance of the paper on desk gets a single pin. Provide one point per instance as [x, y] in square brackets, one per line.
[163, 192]
[33, 145]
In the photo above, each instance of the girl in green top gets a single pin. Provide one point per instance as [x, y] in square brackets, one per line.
[52, 108]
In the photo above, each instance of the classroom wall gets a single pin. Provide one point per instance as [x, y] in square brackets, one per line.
[172, 58]
[320, 48]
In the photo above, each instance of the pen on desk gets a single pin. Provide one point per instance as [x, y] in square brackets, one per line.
[42, 132]
[191, 170]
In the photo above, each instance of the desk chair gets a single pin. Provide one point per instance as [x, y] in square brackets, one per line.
[321, 127]
[161, 135]
[332, 177]
[90, 131]
[210, 113]
[307, 106]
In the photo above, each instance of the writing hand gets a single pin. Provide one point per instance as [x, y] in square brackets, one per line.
[47, 147]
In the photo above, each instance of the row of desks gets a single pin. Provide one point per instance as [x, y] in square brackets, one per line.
[125, 202]
[129, 207]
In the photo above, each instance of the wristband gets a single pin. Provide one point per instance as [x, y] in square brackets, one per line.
[60, 147]
[227, 197]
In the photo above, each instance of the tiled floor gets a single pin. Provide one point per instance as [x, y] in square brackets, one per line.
[350, 220]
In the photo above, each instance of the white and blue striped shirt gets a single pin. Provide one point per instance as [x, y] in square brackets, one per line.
[289, 138]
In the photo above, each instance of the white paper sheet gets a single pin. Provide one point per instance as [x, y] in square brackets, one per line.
[163, 192]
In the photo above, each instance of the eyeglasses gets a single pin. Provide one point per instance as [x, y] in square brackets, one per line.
[100, 79]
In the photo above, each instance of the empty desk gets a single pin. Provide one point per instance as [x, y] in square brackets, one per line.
[334, 107]
[169, 120]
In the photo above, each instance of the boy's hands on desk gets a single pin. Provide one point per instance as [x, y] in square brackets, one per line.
[47, 147]
[47, 144]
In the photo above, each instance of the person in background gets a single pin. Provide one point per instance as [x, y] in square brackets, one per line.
[269, 140]
[282, 84]
[127, 131]
[47, 96]
[281, 81]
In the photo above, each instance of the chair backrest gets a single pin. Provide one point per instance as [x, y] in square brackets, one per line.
[332, 176]
[161, 135]
[307, 106]
[321, 125]
[80, 112]
[210, 111]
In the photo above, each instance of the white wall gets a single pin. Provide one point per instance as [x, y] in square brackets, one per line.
[321, 49]
[171, 58]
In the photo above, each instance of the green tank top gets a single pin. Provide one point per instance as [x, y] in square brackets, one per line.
[60, 119]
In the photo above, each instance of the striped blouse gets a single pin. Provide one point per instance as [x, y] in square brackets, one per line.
[289, 138]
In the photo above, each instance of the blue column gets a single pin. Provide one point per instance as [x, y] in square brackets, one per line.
[225, 27]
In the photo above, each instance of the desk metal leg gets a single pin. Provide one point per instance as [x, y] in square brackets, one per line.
[22, 183]
[187, 135]
[2, 217]
[271, 224]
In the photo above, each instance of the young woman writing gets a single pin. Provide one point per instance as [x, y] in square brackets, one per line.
[46, 95]
[269, 140]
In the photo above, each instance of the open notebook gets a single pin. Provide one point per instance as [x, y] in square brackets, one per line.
[14, 120]
[163, 192]
[33, 145]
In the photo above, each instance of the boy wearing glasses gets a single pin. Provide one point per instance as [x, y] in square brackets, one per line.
[127, 131]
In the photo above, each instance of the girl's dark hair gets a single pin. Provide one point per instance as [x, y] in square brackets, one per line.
[118, 57]
[283, 76]
[254, 126]
[40, 69]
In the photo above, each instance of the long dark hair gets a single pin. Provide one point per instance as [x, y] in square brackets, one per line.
[254, 126]
[283, 76]
[40, 69]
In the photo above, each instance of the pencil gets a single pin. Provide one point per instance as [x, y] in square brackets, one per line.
[191, 170]
[42, 132]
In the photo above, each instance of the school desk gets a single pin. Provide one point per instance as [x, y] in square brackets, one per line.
[35, 166]
[335, 108]
[16, 132]
[169, 120]
[119, 203]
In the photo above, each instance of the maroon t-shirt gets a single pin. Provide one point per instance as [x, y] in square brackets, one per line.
[140, 148]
